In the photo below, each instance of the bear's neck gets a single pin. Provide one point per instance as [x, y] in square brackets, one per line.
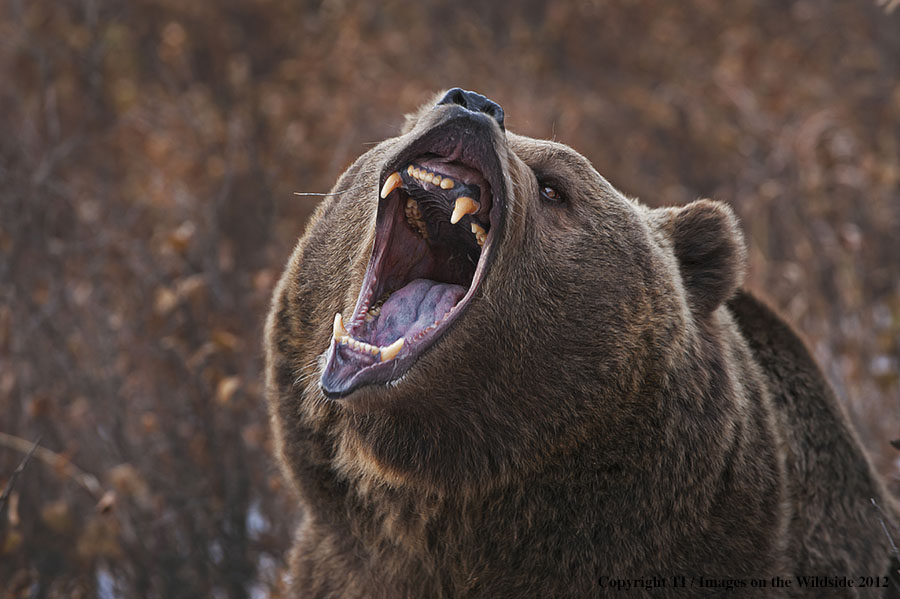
[599, 495]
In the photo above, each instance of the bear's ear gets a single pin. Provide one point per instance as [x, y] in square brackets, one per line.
[709, 247]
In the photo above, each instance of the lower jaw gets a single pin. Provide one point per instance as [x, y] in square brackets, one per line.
[352, 364]
[383, 358]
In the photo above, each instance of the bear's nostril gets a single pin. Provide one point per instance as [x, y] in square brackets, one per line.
[474, 102]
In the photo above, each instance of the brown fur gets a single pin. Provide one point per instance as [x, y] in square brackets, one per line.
[608, 406]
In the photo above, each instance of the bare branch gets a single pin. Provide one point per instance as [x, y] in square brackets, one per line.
[4, 497]
[51, 458]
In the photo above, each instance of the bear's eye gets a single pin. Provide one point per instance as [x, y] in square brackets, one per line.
[550, 194]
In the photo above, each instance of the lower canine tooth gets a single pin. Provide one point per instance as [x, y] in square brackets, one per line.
[339, 330]
[390, 352]
[464, 205]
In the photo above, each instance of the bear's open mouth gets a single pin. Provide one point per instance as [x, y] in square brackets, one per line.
[437, 218]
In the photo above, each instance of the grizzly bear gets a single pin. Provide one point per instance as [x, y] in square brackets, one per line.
[490, 374]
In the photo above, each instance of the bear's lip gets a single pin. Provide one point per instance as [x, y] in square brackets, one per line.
[431, 281]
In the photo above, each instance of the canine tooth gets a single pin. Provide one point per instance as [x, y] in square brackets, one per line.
[446, 183]
[392, 183]
[390, 352]
[464, 205]
[339, 329]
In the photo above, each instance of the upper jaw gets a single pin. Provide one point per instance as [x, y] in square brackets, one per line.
[429, 264]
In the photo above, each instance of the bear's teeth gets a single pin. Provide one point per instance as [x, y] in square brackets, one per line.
[373, 313]
[392, 183]
[414, 218]
[479, 233]
[360, 346]
[390, 352]
[464, 205]
[339, 329]
[387, 352]
[427, 176]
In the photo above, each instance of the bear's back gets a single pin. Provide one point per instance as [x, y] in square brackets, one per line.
[836, 526]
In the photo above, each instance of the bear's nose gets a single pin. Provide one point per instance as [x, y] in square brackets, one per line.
[474, 102]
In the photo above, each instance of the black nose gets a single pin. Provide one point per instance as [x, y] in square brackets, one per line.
[474, 102]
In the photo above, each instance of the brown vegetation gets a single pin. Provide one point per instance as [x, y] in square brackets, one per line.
[148, 155]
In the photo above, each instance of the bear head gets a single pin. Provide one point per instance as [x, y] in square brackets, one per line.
[469, 303]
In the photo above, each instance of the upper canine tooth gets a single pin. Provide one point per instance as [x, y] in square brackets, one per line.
[390, 351]
[339, 330]
[464, 205]
[392, 183]
[446, 183]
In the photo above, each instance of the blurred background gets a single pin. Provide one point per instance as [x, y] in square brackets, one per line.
[149, 151]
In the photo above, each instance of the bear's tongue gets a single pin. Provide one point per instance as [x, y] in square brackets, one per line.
[412, 309]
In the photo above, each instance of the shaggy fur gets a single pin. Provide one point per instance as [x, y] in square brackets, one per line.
[610, 406]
